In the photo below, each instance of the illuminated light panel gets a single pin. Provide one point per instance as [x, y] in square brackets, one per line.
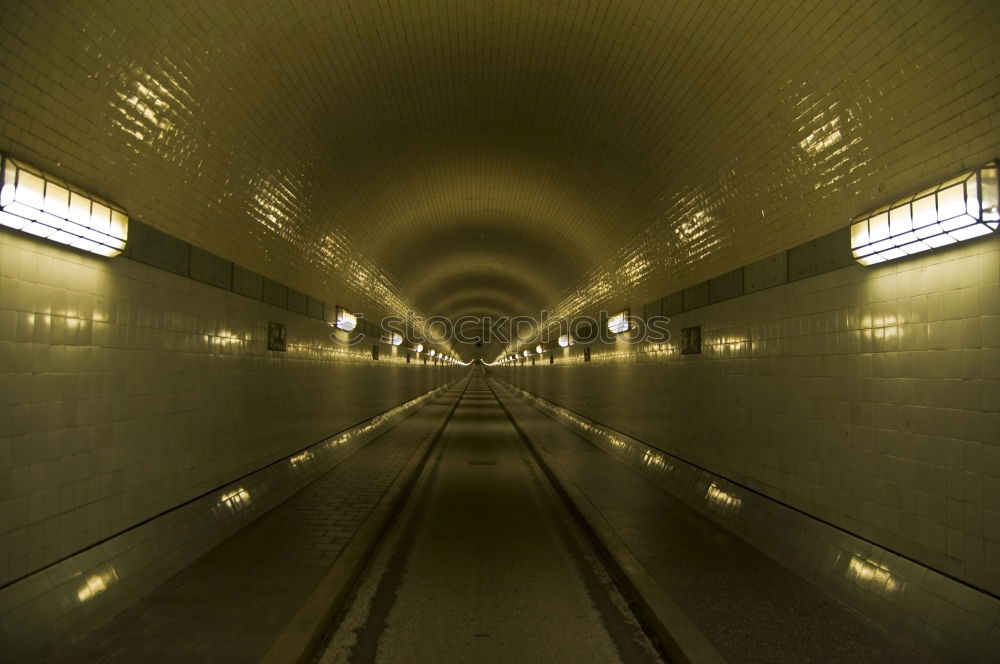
[865, 571]
[346, 321]
[394, 338]
[566, 340]
[539, 349]
[418, 348]
[527, 353]
[619, 322]
[432, 352]
[722, 498]
[959, 209]
[96, 584]
[38, 204]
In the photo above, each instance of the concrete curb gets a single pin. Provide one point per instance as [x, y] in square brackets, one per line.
[680, 638]
[298, 641]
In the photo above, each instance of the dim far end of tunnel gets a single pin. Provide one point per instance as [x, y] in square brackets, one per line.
[499, 332]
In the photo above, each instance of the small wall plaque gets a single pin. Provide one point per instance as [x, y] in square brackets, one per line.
[275, 336]
[691, 340]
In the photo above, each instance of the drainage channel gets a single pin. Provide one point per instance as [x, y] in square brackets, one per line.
[484, 564]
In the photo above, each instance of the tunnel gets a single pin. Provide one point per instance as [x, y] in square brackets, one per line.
[499, 331]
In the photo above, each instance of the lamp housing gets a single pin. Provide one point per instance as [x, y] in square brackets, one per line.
[961, 208]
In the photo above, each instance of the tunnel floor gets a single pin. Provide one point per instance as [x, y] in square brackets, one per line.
[485, 565]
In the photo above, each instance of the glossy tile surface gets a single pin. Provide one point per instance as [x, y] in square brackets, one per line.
[749, 606]
[502, 157]
[128, 390]
[231, 604]
[864, 397]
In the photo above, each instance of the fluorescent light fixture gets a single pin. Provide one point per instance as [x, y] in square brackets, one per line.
[962, 208]
[418, 348]
[565, 340]
[394, 338]
[619, 322]
[39, 204]
[345, 320]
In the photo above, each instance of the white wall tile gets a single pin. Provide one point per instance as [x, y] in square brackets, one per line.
[918, 402]
[170, 392]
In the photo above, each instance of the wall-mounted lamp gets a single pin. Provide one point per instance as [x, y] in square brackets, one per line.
[394, 338]
[619, 322]
[539, 349]
[432, 352]
[565, 340]
[345, 320]
[36, 203]
[526, 353]
[960, 209]
[418, 348]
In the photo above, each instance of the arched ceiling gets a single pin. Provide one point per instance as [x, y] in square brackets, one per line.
[504, 156]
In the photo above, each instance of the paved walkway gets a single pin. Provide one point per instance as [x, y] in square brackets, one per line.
[751, 608]
[485, 565]
[231, 604]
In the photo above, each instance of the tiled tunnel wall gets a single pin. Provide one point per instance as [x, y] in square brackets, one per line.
[865, 397]
[126, 390]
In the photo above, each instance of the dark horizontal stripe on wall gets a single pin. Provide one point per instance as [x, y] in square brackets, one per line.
[824, 254]
[158, 249]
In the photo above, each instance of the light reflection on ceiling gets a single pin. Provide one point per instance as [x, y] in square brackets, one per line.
[568, 157]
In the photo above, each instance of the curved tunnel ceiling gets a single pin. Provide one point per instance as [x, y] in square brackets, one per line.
[499, 157]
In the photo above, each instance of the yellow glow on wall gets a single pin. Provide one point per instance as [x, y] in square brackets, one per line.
[236, 499]
[722, 498]
[865, 570]
[96, 584]
[38, 204]
[300, 458]
[655, 460]
[961, 208]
